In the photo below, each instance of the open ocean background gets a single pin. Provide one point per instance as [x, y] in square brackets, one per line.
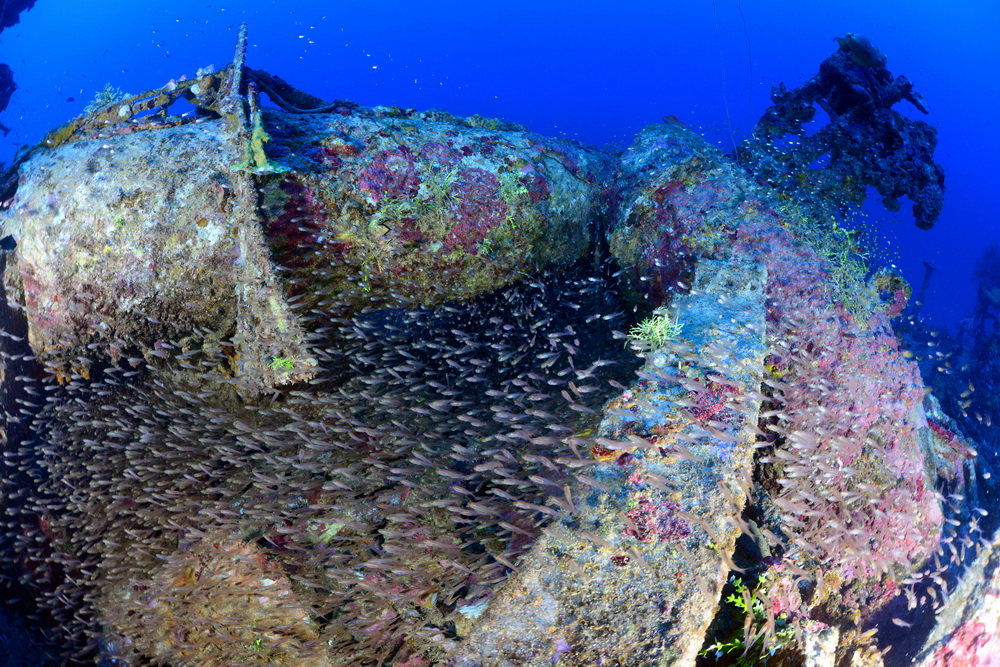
[592, 71]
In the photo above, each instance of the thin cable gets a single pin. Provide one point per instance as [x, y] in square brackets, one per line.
[722, 62]
[746, 33]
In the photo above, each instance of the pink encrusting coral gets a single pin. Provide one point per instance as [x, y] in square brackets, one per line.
[656, 522]
[389, 173]
[965, 648]
[840, 429]
[847, 398]
[426, 205]
[476, 211]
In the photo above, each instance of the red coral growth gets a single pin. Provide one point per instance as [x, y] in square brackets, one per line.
[331, 149]
[323, 156]
[656, 522]
[391, 173]
[488, 144]
[538, 187]
[714, 403]
[300, 235]
[675, 233]
[899, 299]
[962, 649]
[478, 211]
[783, 592]
[668, 190]
[949, 438]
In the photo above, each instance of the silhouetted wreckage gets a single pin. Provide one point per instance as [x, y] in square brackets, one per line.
[865, 142]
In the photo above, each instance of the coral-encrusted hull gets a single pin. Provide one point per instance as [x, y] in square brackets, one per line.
[850, 473]
[424, 204]
[110, 231]
[359, 203]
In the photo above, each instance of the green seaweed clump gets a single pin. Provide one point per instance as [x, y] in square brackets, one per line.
[657, 329]
[430, 206]
[282, 364]
[847, 262]
[513, 192]
[759, 640]
[104, 98]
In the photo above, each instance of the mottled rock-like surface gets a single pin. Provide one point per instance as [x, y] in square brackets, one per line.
[211, 599]
[967, 633]
[427, 205]
[634, 579]
[114, 230]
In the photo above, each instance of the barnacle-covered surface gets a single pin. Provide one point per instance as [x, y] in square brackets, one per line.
[113, 231]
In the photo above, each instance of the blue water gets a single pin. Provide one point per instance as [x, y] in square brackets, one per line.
[596, 72]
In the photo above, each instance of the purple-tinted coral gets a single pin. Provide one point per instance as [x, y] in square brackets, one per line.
[440, 154]
[478, 210]
[390, 173]
[656, 522]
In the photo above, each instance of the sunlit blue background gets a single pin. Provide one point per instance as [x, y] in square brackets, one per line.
[596, 72]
